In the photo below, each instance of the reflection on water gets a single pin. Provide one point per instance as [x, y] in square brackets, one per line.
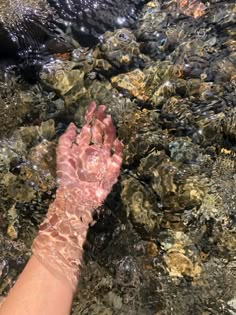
[165, 238]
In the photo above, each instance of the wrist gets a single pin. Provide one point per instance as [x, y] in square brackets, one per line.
[59, 244]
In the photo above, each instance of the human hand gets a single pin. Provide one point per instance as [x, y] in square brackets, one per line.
[90, 160]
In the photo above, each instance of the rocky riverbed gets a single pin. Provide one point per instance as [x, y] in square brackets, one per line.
[164, 242]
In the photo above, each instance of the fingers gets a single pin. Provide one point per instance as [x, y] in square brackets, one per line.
[84, 137]
[99, 128]
[102, 129]
[100, 114]
[109, 132]
[92, 133]
[90, 112]
[66, 140]
[102, 124]
[118, 152]
[93, 130]
[113, 170]
[97, 132]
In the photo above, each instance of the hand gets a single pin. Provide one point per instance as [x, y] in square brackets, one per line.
[90, 160]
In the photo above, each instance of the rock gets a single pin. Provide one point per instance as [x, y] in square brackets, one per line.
[141, 207]
[179, 265]
[52, 21]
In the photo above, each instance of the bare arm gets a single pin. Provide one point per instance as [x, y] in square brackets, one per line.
[38, 291]
[88, 165]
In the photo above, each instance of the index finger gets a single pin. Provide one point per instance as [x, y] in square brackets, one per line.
[68, 137]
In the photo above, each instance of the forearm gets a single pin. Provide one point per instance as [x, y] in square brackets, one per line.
[48, 282]
[59, 244]
[36, 292]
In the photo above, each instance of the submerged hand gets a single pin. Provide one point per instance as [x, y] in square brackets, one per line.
[88, 164]
[90, 160]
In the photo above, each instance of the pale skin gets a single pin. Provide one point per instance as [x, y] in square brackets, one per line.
[36, 292]
[88, 165]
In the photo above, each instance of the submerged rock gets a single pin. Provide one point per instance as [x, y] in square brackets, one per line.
[164, 241]
[62, 77]
[120, 48]
[30, 27]
[142, 207]
[140, 133]
[27, 179]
